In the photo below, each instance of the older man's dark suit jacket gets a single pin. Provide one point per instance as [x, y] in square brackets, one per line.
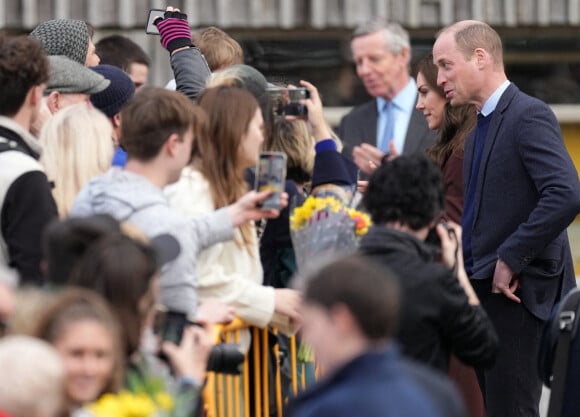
[360, 126]
[527, 194]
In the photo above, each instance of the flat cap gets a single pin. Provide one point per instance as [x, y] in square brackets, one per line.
[69, 77]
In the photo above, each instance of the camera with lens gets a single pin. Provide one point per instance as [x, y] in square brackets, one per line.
[225, 358]
[433, 238]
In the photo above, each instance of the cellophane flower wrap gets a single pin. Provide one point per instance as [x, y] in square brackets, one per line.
[324, 227]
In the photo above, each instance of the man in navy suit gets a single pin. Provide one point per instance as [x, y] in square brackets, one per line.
[382, 52]
[521, 192]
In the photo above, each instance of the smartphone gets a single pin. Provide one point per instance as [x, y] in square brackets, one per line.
[287, 102]
[271, 176]
[170, 325]
[154, 14]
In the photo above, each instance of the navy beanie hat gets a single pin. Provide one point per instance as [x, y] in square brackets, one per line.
[112, 99]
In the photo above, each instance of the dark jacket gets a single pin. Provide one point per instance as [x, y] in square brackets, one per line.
[379, 384]
[527, 194]
[26, 203]
[360, 126]
[436, 318]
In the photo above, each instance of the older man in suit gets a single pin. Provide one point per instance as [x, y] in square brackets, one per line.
[382, 52]
[521, 192]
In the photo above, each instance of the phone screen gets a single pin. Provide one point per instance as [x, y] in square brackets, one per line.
[286, 102]
[169, 325]
[151, 29]
[271, 176]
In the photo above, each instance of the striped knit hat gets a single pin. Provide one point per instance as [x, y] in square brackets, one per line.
[64, 37]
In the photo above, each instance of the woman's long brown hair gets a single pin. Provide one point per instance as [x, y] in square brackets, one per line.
[229, 113]
[457, 121]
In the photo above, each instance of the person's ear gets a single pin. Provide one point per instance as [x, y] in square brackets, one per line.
[116, 120]
[35, 94]
[343, 320]
[481, 57]
[172, 144]
[53, 102]
[406, 54]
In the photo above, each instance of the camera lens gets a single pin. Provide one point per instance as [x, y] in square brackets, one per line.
[225, 358]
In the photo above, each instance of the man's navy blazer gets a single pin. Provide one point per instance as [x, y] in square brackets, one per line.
[527, 194]
[360, 126]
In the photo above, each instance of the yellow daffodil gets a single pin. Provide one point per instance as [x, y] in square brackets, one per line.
[313, 207]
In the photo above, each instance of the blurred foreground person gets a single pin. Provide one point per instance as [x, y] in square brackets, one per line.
[85, 333]
[32, 378]
[353, 308]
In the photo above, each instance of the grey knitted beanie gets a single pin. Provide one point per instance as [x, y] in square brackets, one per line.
[66, 37]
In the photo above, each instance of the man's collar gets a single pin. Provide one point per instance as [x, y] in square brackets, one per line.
[491, 103]
[404, 99]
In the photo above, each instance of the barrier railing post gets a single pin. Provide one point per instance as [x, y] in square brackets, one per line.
[265, 382]
[257, 373]
[222, 401]
[293, 364]
[278, 377]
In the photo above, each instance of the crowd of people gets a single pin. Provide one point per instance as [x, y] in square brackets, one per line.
[122, 204]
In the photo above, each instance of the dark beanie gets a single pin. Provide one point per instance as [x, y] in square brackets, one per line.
[112, 99]
[66, 37]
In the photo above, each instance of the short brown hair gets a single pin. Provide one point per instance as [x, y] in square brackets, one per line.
[151, 117]
[23, 65]
[480, 35]
[470, 35]
[371, 293]
[120, 51]
[219, 49]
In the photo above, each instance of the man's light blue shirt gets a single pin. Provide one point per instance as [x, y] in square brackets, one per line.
[491, 103]
[403, 106]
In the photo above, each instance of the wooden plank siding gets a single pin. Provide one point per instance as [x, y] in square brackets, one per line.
[281, 18]
[290, 14]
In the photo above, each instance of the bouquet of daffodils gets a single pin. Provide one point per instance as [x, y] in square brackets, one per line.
[324, 227]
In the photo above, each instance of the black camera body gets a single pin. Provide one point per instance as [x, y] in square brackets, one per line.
[225, 358]
[433, 238]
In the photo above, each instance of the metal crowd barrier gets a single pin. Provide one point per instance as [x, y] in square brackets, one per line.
[229, 395]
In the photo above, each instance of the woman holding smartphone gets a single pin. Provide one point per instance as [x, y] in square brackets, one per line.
[231, 271]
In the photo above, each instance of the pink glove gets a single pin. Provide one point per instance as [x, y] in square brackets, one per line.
[174, 31]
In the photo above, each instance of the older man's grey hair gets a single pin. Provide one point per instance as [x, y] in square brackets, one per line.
[396, 38]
